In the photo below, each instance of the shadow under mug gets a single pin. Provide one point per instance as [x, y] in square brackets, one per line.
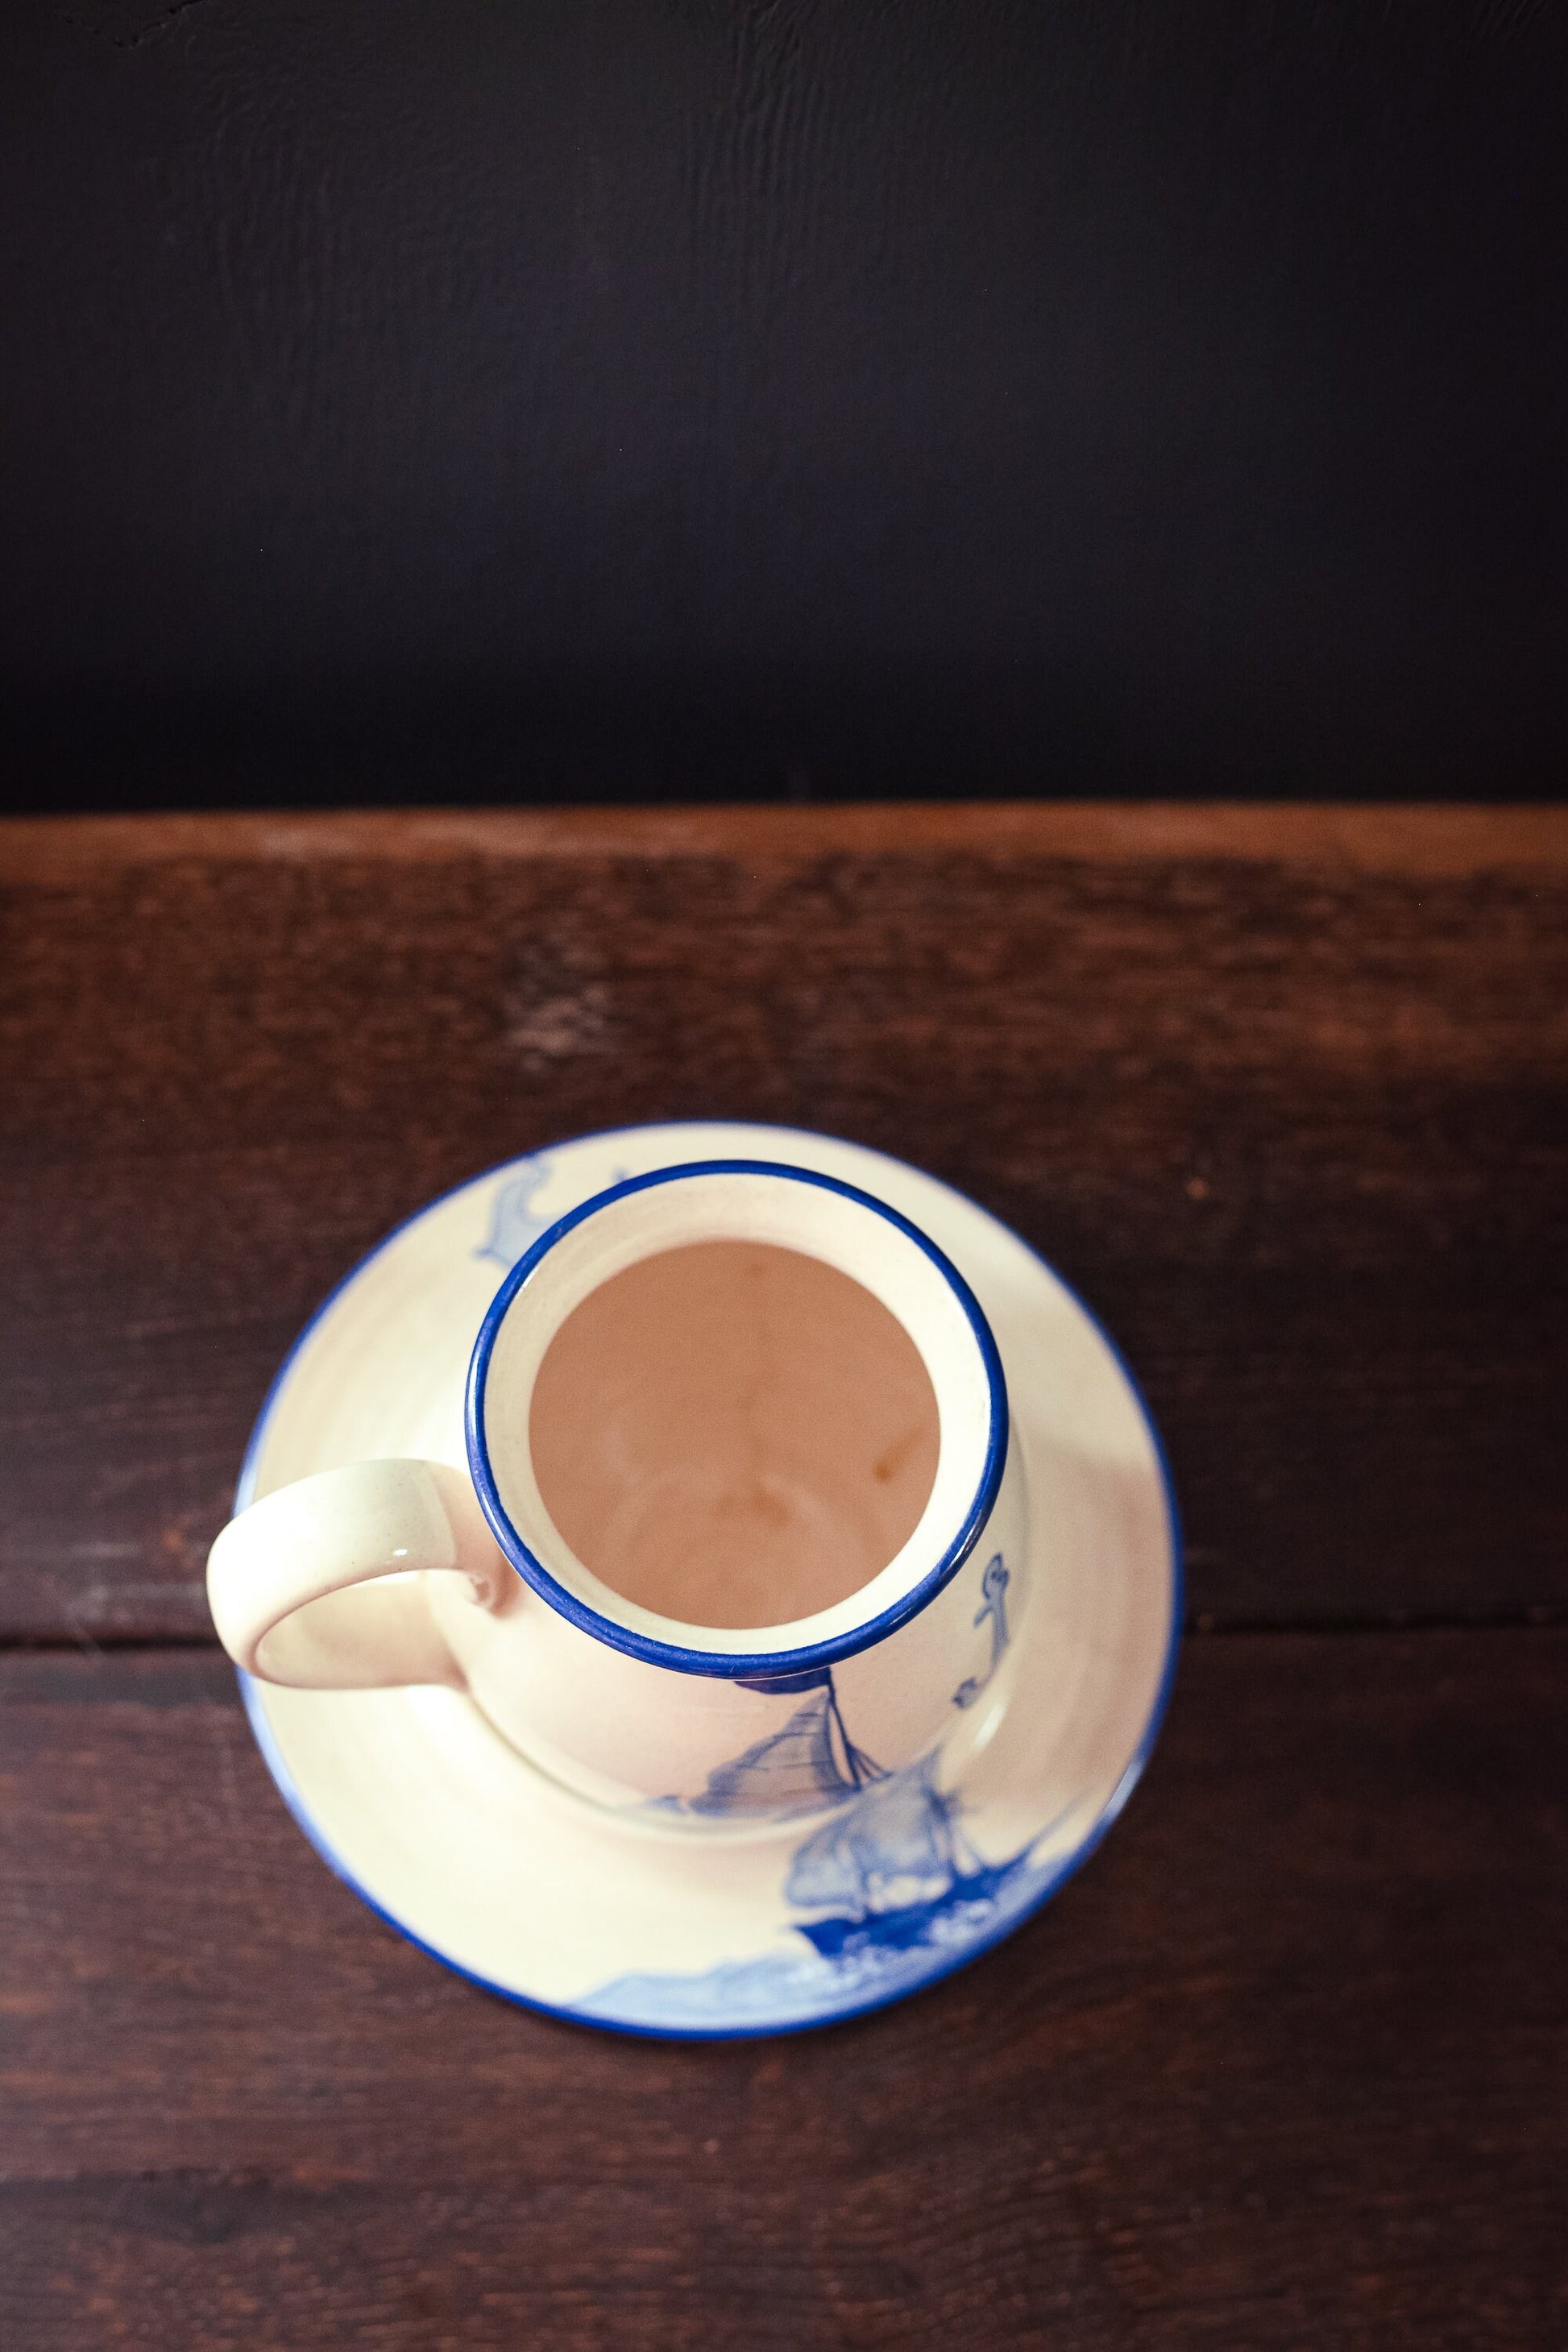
[380, 1573]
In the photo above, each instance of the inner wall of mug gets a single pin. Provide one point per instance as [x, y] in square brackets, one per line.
[731, 1433]
[792, 1214]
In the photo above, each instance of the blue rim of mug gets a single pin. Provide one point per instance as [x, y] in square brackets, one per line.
[734, 1665]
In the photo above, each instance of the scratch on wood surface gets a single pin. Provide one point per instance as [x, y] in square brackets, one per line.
[134, 34]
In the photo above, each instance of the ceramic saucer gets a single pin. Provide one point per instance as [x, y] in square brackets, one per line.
[617, 1920]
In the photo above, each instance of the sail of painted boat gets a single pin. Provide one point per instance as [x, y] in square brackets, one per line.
[810, 1762]
[896, 1842]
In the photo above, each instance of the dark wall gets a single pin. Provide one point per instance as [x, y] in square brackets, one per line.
[472, 398]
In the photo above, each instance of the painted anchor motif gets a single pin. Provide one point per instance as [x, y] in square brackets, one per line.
[993, 1586]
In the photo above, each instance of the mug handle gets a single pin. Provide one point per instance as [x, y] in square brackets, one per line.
[293, 1581]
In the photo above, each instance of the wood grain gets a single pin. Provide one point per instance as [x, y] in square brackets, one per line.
[1395, 837]
[1283, 2066]
[1281, 1092]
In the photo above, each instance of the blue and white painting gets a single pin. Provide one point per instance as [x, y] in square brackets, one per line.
[515, 1224]
[889, 1889]
[809, 1762]
[890, 1894]
[993, 1611]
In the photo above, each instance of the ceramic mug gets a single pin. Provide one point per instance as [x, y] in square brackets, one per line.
[403, 1571]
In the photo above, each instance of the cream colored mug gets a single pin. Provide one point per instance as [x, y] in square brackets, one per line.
[411, 1571]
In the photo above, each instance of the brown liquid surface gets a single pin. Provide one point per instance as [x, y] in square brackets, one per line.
[734, 1435]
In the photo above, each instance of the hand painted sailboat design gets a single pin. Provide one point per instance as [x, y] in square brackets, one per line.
[899, 1892]
[809, 1762]
[894, 1870]
[900, 1895]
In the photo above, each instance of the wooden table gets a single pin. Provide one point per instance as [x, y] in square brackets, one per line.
[1282, 1092]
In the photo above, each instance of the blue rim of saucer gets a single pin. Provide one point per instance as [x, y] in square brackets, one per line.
[734, 1665]
[944, 1964]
